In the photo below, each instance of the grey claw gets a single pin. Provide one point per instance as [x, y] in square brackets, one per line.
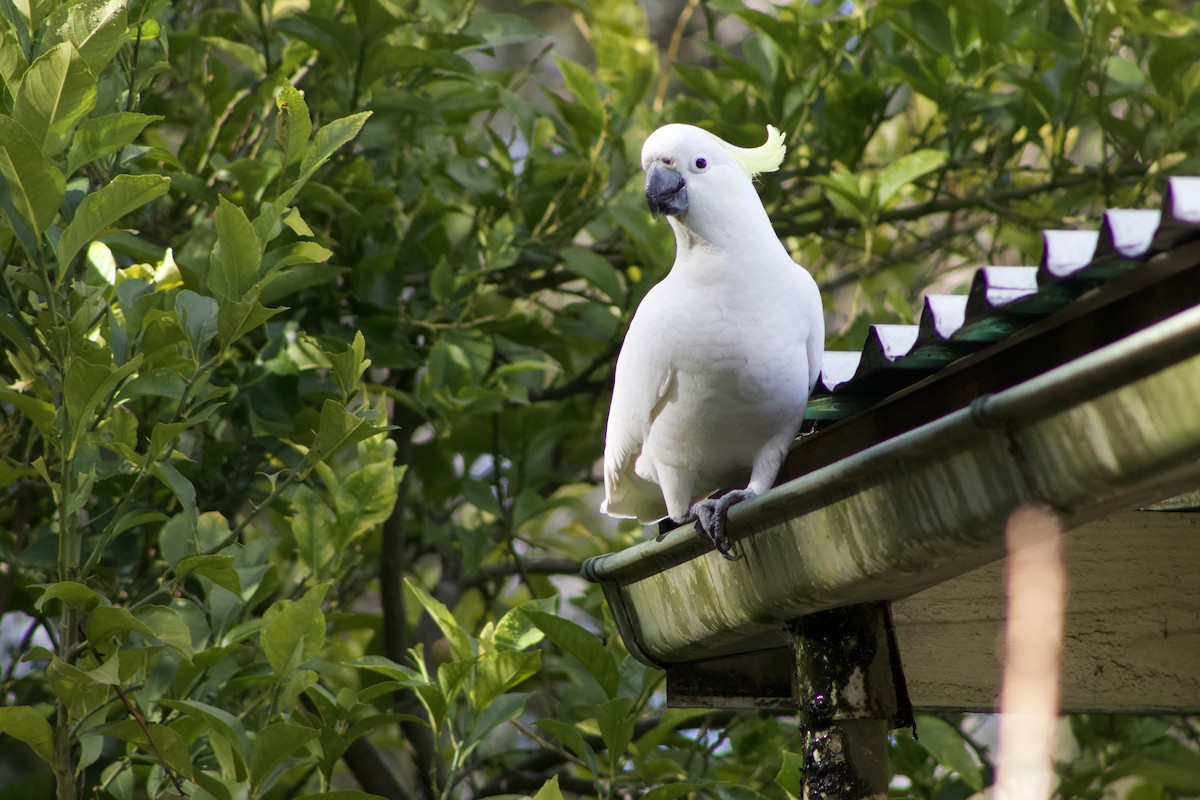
[710, 520]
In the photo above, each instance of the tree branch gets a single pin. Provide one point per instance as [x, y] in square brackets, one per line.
[392, 563]
[949, 204]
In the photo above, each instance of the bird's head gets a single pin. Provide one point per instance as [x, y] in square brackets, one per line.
[695, 176]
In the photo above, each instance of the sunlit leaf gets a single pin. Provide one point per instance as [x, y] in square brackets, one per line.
[55, 92]
[294, 631]
[97, 29]
[233, 268]
[293, 126]
[32, 187]
[104, 207]
[580, 643]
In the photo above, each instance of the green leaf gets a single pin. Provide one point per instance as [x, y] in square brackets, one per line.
[482, 495]
[570, 736]
[233, 267]
[132, 519]
[39, 412]
[103, 207]
[943, 741]
[582, 644]
[272, 745]
[100, 136]
[670, 791]
[497, 29]
[76, 595]
[905, 170]
[12, 60]
[56, 92]
[167, 743]
[365, 499]
[106, 621]
[293, 126]
[329, 139]
[313, 529]
[294, 631]
[165, 433]
[342, 794]
[236, 318]
[932, 25]
[791, 773]
[27, 725]
[499, 671]
[460, 641]
[616, 725]
[595, 269]
[549, 790]
[1170, 763]
[109, 672]
[515, 631]
[582, 84]
[442, 281]
[97, 29]
[845, 193]
[86, 386]
[495, 714]
[169, 627]
[217, 568]
[385, 666]
[155, 382]
[276, 262]
[221, 724]
[340, 428]
[243, 52]
[349, 365]
[180, 486]
[198, 316]
[33, 188]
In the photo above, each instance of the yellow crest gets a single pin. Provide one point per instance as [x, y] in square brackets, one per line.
[764, 158]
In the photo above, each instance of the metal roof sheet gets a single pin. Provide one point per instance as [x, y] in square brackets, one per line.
[1002, 300]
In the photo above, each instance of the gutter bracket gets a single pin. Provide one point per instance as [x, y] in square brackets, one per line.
[848, 684]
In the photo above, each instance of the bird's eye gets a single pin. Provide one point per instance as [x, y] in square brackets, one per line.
[700, 164]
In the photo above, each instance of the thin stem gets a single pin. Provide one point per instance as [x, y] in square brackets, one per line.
[264, 34]
[64, 741]
[20, 650]
[168, 576]
[144, 471]
[158, 756]
[664, 78]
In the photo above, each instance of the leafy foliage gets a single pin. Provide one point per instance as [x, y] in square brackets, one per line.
[307, 308]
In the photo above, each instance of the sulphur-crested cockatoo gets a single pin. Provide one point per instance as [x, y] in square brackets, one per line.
[721, 355]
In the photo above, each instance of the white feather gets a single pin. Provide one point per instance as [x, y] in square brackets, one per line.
[720, 357]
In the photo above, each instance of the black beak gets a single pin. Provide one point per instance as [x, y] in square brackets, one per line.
[666, 191]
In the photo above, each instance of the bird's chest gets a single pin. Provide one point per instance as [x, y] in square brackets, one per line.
[733, 355]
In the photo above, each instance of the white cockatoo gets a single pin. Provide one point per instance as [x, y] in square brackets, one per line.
[722, 354]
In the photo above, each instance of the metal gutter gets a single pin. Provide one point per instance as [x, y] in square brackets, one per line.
[1108, 430]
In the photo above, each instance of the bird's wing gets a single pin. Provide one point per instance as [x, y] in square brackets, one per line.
[643, 381]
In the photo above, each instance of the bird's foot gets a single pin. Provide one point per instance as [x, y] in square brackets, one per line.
[711, 516]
